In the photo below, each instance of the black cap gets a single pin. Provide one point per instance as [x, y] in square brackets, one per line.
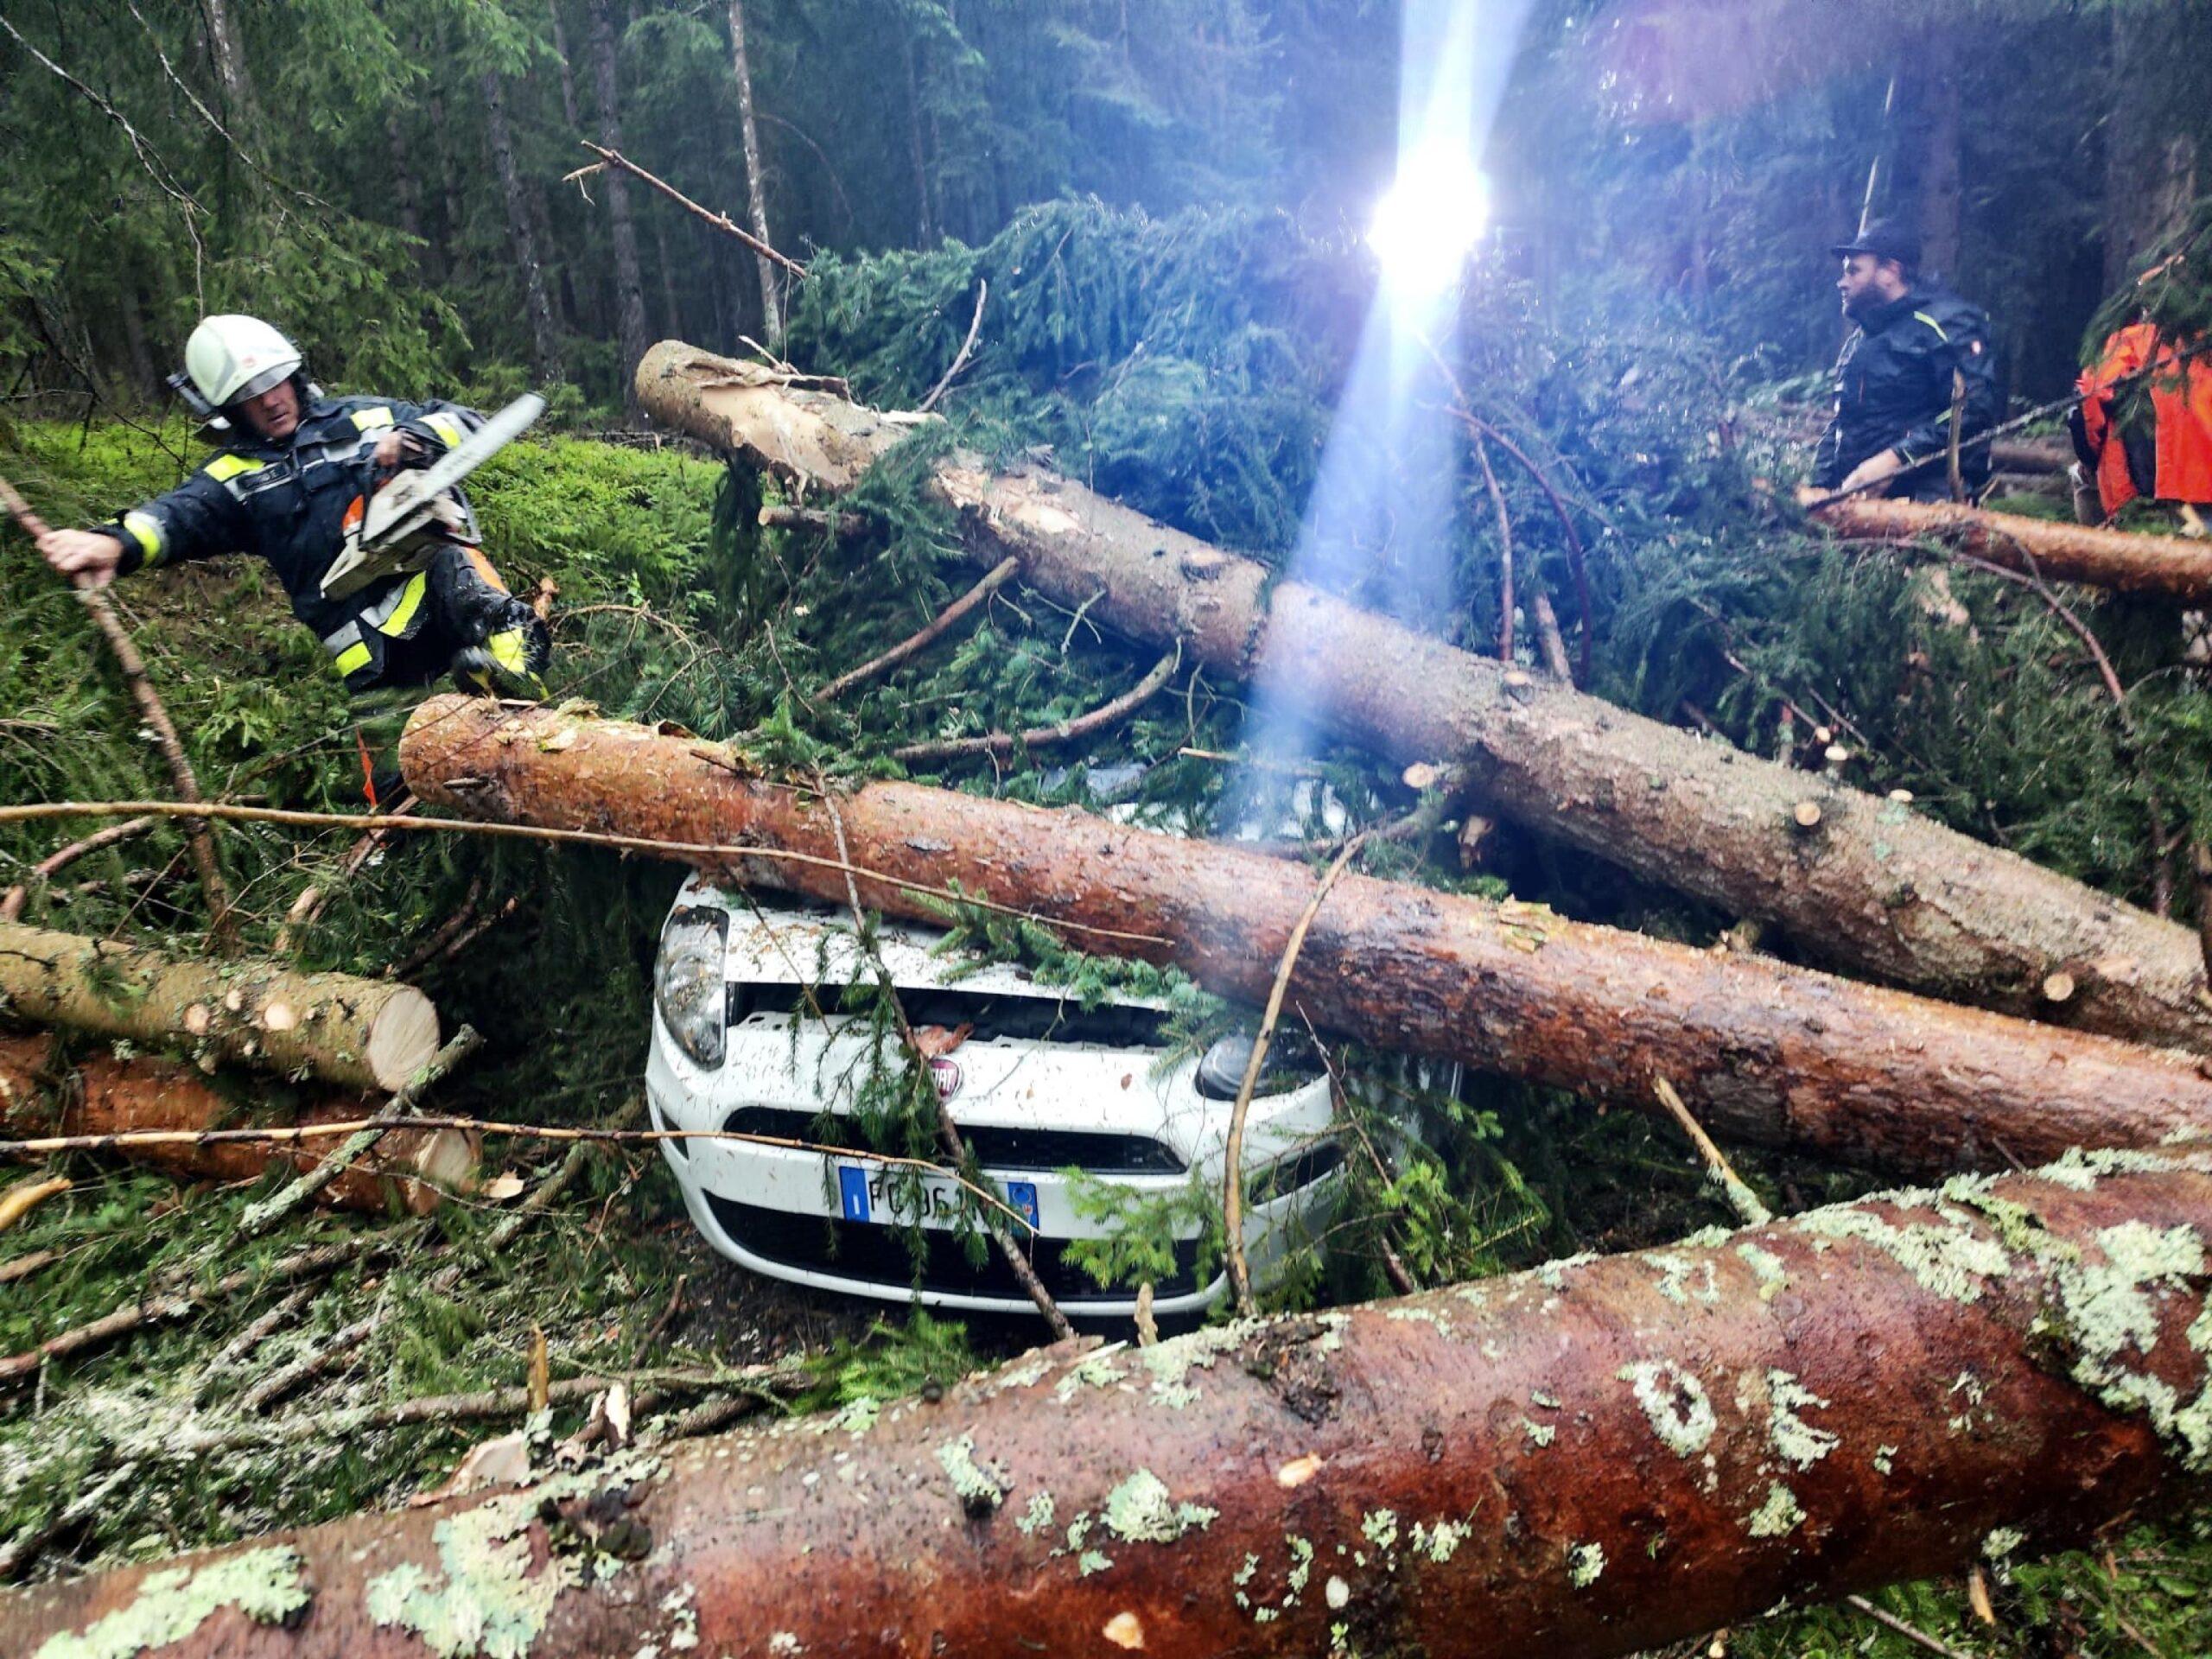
[1885, 239]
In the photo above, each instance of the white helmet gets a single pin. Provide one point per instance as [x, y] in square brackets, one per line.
[230, 359]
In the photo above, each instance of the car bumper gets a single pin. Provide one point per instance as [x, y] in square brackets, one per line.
[781, 1212]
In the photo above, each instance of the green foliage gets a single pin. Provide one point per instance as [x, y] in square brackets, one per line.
[1143, 1230]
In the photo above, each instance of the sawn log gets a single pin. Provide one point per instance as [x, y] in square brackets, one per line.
[2169, 567]
[1598, 1457]
[101, 1095]
[1767, 1051]
[361, 1033]
[1876, 890]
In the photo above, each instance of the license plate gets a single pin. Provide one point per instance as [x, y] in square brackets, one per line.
[870, 1192]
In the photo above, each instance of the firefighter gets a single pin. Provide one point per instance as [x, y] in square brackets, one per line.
[2143, 426]
[294, 461]
[1916, 353]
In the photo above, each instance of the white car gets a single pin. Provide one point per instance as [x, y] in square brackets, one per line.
[746, 1036]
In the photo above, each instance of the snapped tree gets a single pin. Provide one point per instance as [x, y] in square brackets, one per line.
[1767, 1051]
[1864, 884]
[1598, 1457]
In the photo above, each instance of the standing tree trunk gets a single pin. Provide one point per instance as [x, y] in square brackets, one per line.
[229, 53]
[406, 194]
[544, 342]
[1768, 1052]
[629, 287]
[925, 228]
[1596, 1458]
[1870, 885]
[1942, 165]
[567, 71]
[756, 189]
[448, 176]
[668, 307]
[145, 378]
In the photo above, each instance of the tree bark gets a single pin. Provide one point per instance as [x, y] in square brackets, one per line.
[1595, 1458]
[1878, 890]
[229, 53]
[756, 190]
[406, 194]
[545, 346]
[1941, 169]
[101, 1095]
[568, 71]
[2167, 567]
[361, 1033]
[629, 287]
[1766, 1052]
[2030, 454]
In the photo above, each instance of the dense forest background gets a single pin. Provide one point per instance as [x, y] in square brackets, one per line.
[386, 178]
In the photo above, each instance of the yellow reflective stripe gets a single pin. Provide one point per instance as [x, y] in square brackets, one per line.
[410, 601]
[506, 649]
[147, 530]
[447, 427]
[1921, 316]
[224, 469]
[367, 420]
[354, 656]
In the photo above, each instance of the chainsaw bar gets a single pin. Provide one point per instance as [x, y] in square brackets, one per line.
[479, 445]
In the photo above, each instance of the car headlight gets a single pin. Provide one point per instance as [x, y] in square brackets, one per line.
[1221, 1072]
[688, 981]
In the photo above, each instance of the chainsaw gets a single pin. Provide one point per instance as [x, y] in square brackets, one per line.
[394, 530]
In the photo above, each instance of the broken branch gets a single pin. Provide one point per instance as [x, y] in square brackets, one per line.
[914, 644]
[1002, 744]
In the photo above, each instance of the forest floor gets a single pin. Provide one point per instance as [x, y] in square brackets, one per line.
[612, 1274]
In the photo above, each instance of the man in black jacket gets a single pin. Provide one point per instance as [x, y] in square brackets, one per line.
[1917, 354]
[294, 465]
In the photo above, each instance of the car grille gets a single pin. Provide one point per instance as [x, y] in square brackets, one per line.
[993, 1147]
[879, 1254]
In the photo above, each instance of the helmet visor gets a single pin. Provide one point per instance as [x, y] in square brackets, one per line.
[265, 379]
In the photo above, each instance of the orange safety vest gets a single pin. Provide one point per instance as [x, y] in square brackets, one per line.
[2181, 410]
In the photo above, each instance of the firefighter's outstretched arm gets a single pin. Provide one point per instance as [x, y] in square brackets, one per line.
[196, 520]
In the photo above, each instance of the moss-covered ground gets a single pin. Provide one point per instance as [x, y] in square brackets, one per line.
[1188, 374]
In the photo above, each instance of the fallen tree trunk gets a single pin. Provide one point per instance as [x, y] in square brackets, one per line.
[1598, 1457]
[2170, 567]
[1878, 890]
[2030, 454]
[1769, 1052]
[101, 1095]
[359, 1032]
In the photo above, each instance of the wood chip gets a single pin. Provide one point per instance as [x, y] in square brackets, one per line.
[1422, 775]
[541, 1370]
[500, 1188]
[24, 1197]
[1978, 1596]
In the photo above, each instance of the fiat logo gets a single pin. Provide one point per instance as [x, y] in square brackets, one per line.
[945, 1074]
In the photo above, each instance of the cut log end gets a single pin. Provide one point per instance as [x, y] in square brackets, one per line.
[1807, 815]
[446, 1159]
[2057, 987]
[402, 1039]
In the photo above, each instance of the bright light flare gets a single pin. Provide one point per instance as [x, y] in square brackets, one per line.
[1430, 219]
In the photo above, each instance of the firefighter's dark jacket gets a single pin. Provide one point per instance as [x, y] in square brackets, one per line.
[1894, 390]
[286, 502]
